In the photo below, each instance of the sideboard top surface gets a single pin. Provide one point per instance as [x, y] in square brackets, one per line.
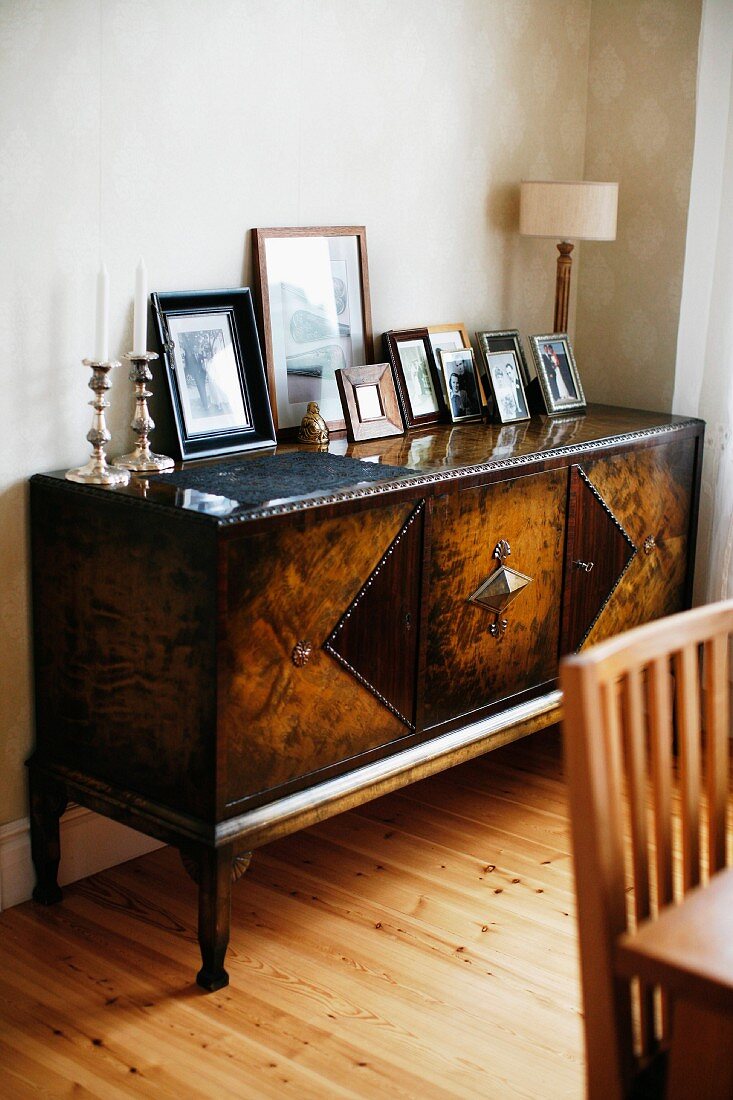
[441, 452]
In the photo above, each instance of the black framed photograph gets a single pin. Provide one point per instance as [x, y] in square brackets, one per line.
[214, 369]
[559, 379]
[461, 383]
[416, 373]
[506, 340]
[370, 404]
[313, 300]
[506, 385]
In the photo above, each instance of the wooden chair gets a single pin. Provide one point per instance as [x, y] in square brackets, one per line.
[646, 748]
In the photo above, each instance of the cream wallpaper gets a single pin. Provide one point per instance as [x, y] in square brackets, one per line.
[168, 128]
[641, 111]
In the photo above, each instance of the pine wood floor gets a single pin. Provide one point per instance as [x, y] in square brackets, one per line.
[420, 946]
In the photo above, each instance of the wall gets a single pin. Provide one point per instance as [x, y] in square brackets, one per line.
[641, 104]
[169, 128]
[704, 377]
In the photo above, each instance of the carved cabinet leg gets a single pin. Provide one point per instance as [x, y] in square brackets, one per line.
[48, 800]
[215, 896]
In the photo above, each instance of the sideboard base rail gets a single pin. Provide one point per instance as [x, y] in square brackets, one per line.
[297, 811]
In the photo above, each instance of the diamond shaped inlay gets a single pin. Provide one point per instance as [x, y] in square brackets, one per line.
[498, 590]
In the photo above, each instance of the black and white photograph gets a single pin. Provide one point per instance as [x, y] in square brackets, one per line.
[417, 376]
[206, 368]
[418, 380]
[314, 303]
[214, 370]
[506, 384]
[557, 372]
[459, 371]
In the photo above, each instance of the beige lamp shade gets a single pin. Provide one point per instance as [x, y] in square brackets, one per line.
[566, 211]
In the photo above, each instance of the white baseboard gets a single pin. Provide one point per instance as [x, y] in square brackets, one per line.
[89, 843]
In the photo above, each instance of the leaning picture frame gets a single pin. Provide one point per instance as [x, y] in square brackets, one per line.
[452, 337]
[370, 404]
[562, 390]
[313, 302]
[505, 378]
[507, 340]
[214, 370]
[461, 383]
[417, 376]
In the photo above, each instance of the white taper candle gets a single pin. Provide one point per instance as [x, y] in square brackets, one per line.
[101, 334]
[140, 325]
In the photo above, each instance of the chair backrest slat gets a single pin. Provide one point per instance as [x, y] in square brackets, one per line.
[717, 725]
[659, 702]
[687, 665]
[634, 741]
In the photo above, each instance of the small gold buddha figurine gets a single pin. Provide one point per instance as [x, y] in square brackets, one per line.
[313, 427]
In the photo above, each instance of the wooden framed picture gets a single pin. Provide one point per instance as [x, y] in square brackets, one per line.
[557, 372]
[416, 374]
[369, 400]
[451, 338]
[214, 369]
[313, 298]
[506, 385]
[461, 382]
[506, 340]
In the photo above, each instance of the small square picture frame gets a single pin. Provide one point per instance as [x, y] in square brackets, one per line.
[562, 390]
[461, 383]
[505, 378]
[417, 376]
[369, 400]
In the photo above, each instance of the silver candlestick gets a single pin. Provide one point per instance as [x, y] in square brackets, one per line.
[97, 471]
[142, 460]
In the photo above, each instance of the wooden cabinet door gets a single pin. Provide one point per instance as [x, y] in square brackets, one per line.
[598, 552]
[471, 662]
[649, 492]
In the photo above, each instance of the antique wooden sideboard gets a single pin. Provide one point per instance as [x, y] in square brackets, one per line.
[222, 658]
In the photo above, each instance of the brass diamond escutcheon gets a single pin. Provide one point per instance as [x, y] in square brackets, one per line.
[498, 590]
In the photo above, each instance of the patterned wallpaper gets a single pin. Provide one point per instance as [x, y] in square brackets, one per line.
[641, 104]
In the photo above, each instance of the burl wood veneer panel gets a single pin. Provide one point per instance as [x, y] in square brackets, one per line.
[288, 585]
[598, 551]
[467, 668]
[376, 639]
[125, 611]
[650, 491]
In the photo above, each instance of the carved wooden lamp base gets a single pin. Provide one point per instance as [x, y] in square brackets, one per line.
[562, 286]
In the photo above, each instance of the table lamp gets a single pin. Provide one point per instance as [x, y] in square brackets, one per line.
[567, 211]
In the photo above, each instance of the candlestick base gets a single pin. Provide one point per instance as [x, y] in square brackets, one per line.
[141, 460]
[97, 471]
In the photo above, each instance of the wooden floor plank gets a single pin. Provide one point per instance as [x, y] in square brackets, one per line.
[422, 946]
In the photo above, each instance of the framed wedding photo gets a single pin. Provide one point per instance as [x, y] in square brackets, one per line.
[507, 340]
[313, 300]
[370, 404]
[214, 369]
[557, 372]
[416, 374]
[464, 396]
[506, 385]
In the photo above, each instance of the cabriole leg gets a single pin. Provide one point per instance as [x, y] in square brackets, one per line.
[215, 896]
[48, 799]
